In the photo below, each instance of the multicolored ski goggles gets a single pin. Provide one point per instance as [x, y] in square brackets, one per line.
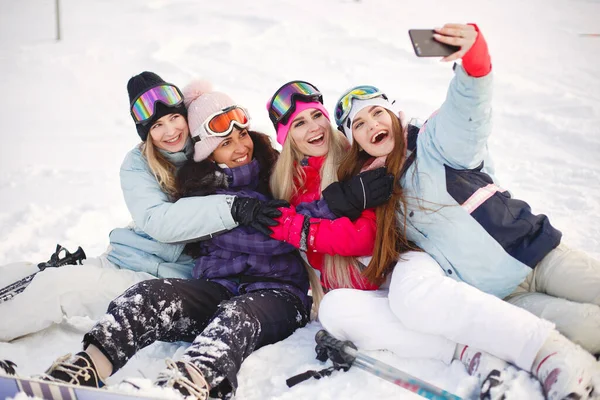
[143, 107]
[222, 122]
[283, 103]
[344, 104]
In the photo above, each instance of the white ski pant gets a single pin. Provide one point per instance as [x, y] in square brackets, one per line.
[427, 314]
[565, 288]
[55, 293]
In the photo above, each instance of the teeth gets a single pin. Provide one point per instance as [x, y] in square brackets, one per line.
[176, 138]
[242, 159]
[374, 139]
[315, 139]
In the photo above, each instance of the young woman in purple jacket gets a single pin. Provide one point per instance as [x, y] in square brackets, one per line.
[248, 290]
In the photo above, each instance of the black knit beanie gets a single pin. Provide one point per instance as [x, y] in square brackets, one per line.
[138, 85]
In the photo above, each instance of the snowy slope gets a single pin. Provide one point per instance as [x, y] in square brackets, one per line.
[66, 125]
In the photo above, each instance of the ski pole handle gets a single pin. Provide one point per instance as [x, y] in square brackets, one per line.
[346, 349]
[68, 259]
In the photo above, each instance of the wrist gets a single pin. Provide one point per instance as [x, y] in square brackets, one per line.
[295, 235]
[477, 61]
[304, 235]
[229, 200]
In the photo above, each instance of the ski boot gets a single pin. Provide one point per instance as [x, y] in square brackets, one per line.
[184, 377]
[565, 370]
[481, 364]
[78, 370]
[488, 369]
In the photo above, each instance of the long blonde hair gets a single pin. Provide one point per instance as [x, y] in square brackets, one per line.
[162, 169]
[287, 172]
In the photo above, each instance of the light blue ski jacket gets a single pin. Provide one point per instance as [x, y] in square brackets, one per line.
[154, 242]
[457, 212]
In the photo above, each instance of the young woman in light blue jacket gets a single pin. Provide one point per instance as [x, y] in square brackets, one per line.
[448, 204]
[152, 245]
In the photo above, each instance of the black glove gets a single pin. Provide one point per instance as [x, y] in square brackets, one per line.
[366, 190]
[257, 213]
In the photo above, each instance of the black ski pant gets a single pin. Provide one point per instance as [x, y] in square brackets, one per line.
[224, 328]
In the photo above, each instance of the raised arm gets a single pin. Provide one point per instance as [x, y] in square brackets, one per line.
[458, 131]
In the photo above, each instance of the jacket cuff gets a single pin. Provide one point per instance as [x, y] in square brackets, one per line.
[297, 236]
[477, 61]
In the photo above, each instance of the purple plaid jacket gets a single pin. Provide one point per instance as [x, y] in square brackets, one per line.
[245, 260]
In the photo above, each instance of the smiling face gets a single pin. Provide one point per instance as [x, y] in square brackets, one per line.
[310, 131]
[372, 130]
[170, 132]
[235, 150]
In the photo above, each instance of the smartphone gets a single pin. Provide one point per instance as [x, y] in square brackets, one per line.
[426, 46]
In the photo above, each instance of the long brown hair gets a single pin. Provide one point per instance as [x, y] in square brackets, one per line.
[390, 239]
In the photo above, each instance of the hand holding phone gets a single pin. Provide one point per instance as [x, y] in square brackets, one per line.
[452, 41]
[425, 44]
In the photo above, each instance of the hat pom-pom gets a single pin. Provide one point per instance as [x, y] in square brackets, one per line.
[195, 89]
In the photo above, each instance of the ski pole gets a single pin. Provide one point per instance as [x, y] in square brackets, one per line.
[383, 370]
[13, 287]
[55, 261]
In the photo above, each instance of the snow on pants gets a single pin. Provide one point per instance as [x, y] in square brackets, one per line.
[565, 288]
[57, 293]
[225, 329]
[423, 299]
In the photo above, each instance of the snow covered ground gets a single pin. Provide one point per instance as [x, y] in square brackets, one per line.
[66, 127]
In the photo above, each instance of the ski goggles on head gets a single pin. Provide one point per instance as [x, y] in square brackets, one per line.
[344, 104]
[222, 122]
[283, 102]
[143, 107]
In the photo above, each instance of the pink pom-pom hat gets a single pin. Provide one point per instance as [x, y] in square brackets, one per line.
[201, 102]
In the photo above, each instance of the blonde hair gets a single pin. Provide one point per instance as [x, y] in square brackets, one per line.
[287, 172]
[162, 169]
